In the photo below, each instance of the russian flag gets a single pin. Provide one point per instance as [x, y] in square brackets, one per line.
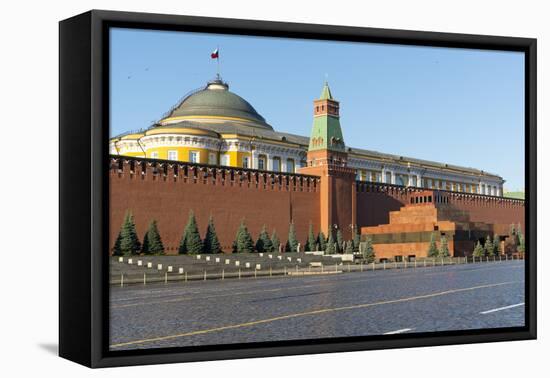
[215, 54]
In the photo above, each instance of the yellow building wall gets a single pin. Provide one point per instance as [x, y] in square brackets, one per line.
[132, 153]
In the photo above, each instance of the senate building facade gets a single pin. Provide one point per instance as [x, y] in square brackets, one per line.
[214, 126]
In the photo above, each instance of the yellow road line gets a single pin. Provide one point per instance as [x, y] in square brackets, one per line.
[175, 300]
[307, 313]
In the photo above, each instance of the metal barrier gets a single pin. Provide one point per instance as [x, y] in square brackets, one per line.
[172, 275]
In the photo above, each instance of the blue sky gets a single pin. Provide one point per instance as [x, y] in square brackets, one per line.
[456, 106]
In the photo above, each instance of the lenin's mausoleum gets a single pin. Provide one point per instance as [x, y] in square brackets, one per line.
[214, 154]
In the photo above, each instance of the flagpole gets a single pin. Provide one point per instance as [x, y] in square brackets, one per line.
[218, 60]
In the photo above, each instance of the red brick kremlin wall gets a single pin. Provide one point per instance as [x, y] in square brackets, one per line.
[166, 192]
[375, 201]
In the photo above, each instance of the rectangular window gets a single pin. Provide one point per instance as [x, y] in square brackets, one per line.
[429, 183]
[154, 155]
[212, 159]
[194, 156]
[245, 162]
[261, 164]
[172, 155]
[290, 168]
[414, 182]
[225, 160]
[388, 177]
[276, 164]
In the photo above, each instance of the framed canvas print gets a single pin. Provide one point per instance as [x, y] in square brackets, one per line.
[234, 188]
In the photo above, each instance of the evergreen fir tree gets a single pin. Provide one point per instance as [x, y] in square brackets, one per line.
[145, 244]
[340, 241]
[496, 245]
[193, 241]
[368, 252]
[275, 242]
[349, 247]
[182, 249]
[488, 247]
[116, 248]
[129, 241]
[154, 242]
[311, 240]
[244, 242]
[432, 249]
[322, 240]
[292, 243]
[330, 247]
[443, 247]
[211, 243]
[478, 250]
[264, 243]
[356, 239]
[521, 241]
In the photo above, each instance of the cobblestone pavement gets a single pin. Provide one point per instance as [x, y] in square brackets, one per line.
[487, 295]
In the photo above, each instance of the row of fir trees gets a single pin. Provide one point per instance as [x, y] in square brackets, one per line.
[128, 243]
[442, 251]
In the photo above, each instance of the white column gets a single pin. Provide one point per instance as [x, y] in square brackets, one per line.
[393, 177]
[268, 162]
[418, 180]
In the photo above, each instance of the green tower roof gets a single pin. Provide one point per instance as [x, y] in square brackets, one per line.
[325, 93]
[326, 133]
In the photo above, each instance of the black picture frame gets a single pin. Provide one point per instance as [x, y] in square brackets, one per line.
[83, 181]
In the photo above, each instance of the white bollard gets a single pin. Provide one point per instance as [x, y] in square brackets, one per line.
[144, 279]
[170, 269]
[223, 274]
[130, 261]
[121, 279]
[140, 262]
[121, 259]
[159, 266]
[149, 265]
[165, 278]
[180, 270]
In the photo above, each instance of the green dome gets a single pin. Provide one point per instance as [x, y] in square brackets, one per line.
[217, 101]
